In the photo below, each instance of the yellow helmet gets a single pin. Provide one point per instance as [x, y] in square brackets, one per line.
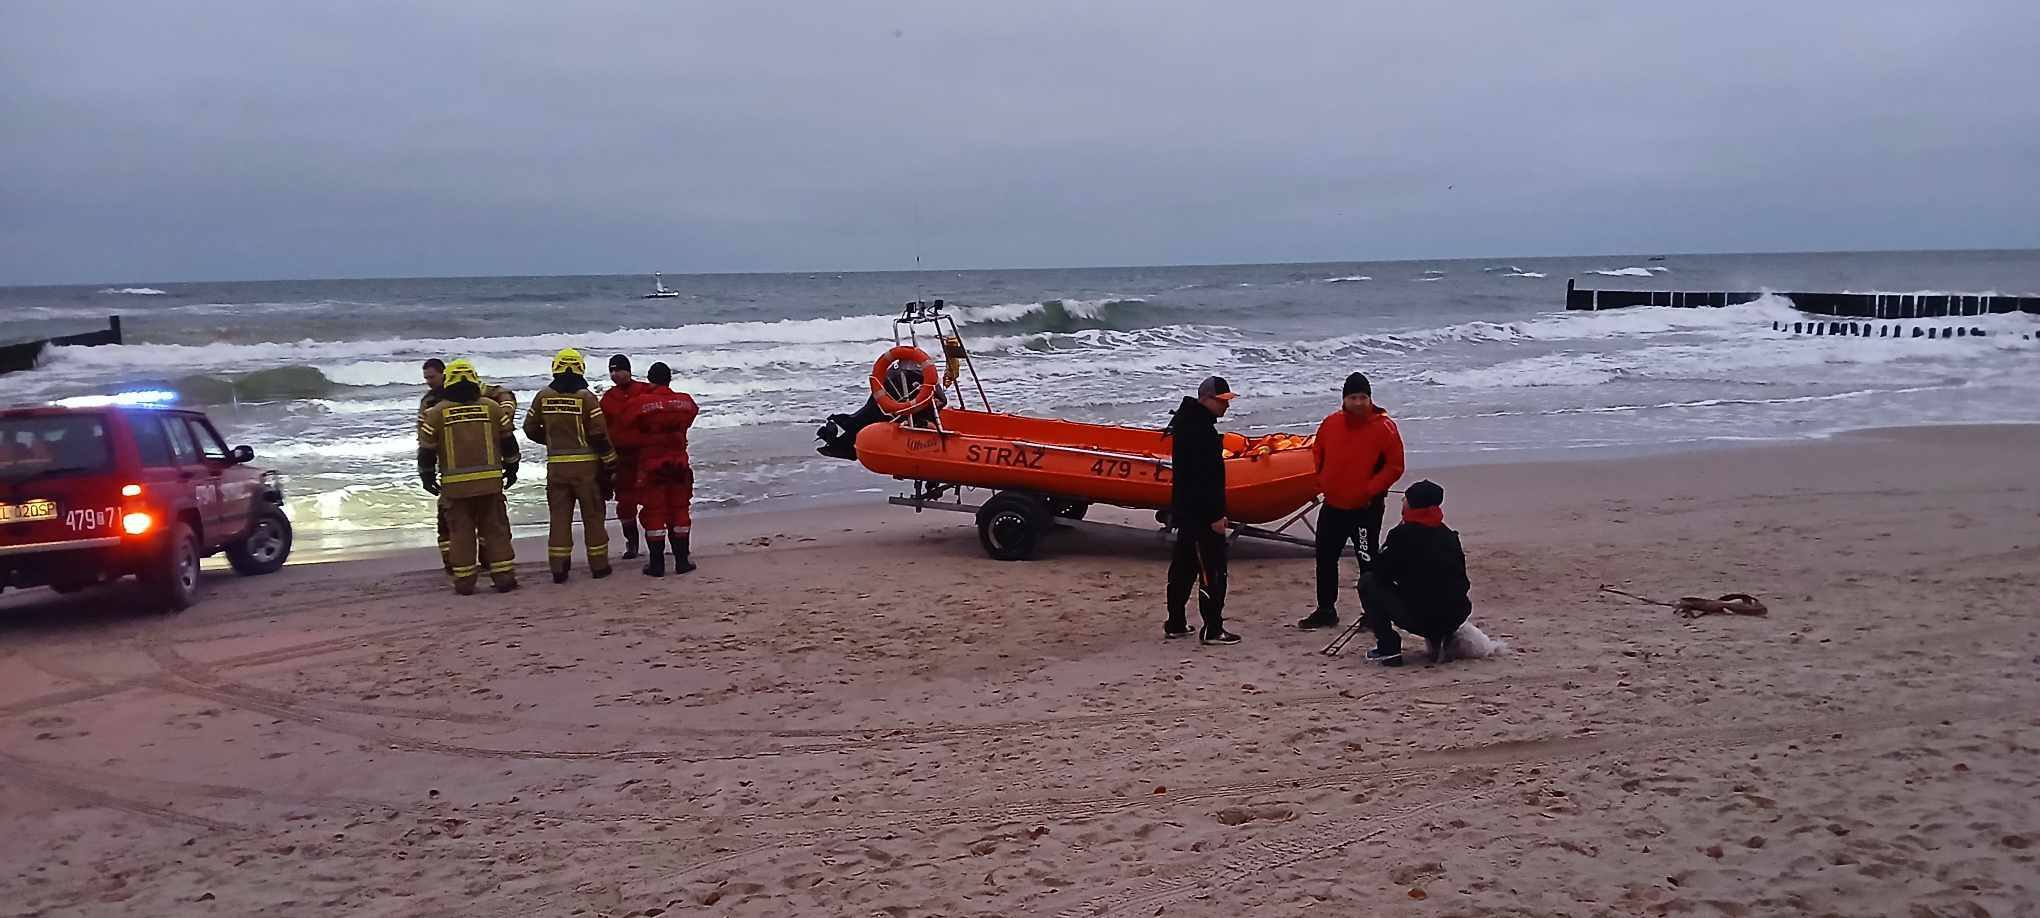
[569, 360]
[461, 371]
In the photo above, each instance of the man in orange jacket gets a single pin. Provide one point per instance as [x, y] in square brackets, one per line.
[658, 421]
[1359, 456]
[623, 390]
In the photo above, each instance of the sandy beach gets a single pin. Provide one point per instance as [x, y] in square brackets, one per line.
[857, 713]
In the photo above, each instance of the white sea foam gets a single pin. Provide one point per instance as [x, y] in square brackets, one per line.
[1624, 272]
[1549, 370]
[1348, 279]
[1566, 326]
[368, 362]
[1524, 274]
[135, 291]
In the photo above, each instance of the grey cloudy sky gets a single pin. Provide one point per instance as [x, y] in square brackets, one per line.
[222, 139]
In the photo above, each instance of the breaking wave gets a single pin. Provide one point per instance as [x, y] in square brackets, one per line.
[1053, 316]
[135, 291]
[279, 384]
[1624, 272]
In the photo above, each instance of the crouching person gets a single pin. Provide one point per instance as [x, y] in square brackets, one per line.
[1418, 582]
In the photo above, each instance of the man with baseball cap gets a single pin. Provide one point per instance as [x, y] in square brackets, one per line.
[1197, 511]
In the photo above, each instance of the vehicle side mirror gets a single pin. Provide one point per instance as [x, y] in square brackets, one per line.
[242, 455]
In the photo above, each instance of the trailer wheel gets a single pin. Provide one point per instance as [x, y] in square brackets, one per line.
[1011, 523]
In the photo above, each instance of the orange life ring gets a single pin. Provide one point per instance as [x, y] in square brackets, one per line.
[922, 396]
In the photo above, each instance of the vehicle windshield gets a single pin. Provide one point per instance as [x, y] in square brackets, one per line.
[65, 444]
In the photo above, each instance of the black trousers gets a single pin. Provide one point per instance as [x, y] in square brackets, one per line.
[1335, 528]
[1199, 564]
[1385, 609]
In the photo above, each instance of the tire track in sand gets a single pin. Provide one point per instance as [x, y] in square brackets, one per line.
[55, 784]
[185, 676]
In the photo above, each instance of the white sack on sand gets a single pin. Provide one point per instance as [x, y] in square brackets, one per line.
[1472, 643]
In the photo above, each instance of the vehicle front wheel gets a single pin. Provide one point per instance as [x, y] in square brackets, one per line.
[266, 547]
[171, 577]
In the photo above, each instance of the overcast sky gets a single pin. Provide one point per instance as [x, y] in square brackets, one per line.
[281, 139]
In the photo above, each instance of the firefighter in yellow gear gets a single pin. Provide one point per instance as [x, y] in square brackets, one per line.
[435, 392]
[566, 418]
[467, 455]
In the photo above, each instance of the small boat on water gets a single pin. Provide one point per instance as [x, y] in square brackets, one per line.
[1045, 472]
[659, 291]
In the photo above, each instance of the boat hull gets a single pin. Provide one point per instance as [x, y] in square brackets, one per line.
[1094, 463]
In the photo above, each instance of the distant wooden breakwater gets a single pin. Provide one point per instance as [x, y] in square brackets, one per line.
[1884, 330]
[1845, 305]
[22, 355]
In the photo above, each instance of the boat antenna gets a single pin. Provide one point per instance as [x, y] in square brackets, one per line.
[920, 290]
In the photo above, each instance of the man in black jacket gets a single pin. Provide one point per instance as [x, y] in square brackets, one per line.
[1418, 582]
[1197, 511]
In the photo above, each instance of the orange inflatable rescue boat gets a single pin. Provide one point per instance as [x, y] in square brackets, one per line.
[1045, 471]
[1266, 478]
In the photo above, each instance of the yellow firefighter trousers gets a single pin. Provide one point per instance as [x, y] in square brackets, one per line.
[486, 519]
[446, 537]
[568, 484]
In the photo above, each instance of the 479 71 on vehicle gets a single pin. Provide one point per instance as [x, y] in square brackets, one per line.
[94, 490]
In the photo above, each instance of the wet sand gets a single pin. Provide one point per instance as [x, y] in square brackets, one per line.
[854, 712]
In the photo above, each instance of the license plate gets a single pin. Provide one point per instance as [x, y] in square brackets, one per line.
[28, 511]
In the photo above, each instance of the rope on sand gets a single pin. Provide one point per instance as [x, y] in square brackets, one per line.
[1695, 606]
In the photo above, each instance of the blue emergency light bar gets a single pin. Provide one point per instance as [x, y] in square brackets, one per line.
[142, 398]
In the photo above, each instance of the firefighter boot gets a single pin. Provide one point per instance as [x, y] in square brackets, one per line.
[655, 564]
[681, 563]
[630, 542]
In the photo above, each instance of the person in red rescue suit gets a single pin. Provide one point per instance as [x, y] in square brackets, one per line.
[623, 390]
[1359, 455]
[657, 421]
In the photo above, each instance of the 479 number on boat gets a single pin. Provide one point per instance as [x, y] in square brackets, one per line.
[1112, 468]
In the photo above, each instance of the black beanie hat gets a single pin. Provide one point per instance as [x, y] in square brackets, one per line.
[1357, 384]
[659, 374]
[619, 362]
[1424, 494]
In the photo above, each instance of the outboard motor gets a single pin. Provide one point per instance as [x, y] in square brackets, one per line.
[839, 433]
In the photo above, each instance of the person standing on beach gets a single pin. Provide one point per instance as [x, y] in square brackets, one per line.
[467, 455]
[658, 421]
[623, 389]
[1197, 511]
[1359, 454]
[566, 419]
[435, 392]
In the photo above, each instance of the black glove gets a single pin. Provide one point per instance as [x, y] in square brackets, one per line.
[510, 475]
[428, 472]
[605, 482]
